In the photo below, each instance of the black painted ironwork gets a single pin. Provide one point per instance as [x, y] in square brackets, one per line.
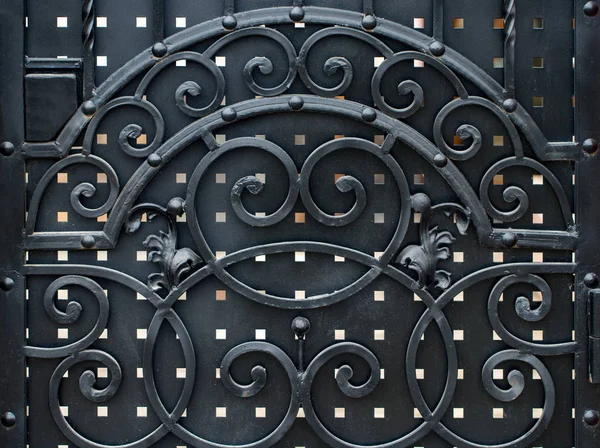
[302, 226]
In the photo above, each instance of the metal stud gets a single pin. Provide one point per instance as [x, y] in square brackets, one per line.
[300, 326]
[591, 418]
[7, 283]
[159, 50]
[510, 105]
[7, 148]
[176, 206]
[369, 22]
[590, 146]
[229, 22]
[590, 280]
[8, 419]
[154, 160]
[509, 239]
[440, 160]
[590, 9]
[89, 108]
[88, 241]
[296, 102]
[229, 114]
[369, 115]
[437, 48]
[297, 14]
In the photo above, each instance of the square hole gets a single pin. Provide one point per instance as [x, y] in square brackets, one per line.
[62, 178]
[338, 259]
[221, 412]
[459, 335]
[101, 22]
[419, 179]
[221, 334]
[459, 23]
[339, 335]
[379, 218]
[498, 374]
[220, 178]
[379, 296]
[142, 139]
[498, 257]
[536, 412]
[180, 178]
[538, 335]
[379, 413]
[498, 412]
[220, 138]
[498, 179]
[538, 62]
[420, 373]
[139, 372]
[102, 255]
[221, 217]
[64, 410]
[538, 101]
[457, 141]
[104, 334]
[499, 24]
[538, 23]
[260, 258]
[498, 140]
[495, 336]
[460, 297]
[141, 333]
[101, 61]
[378, 60]
[418, 23]
[260, 334]
[101, 139]
[62, 255]
[62, 294]
[180, 372]
[300, 294]
[299, 218]
[299, 139]
[140, 22]
[62, 216]
[538, 179]
[220, 254]
[538, 218]
[459, 257]
[102, 411]
[63, 333]
[262, 177]
[379, 179]
[378, 139]
[62, 22]
[339, 412]
[417, 217]
[537, 296]
[141, 255]
[142, 411]
[461, 374]
[458, 413]
[260, 412]
[417, 63]
[498, 62]
[379, 335]
[300, 257]
[180, 22]
[300, 413]
[101, 178]
[221, 61]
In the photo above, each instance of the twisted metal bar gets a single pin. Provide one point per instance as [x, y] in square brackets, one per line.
[88, 16]
[510, 37]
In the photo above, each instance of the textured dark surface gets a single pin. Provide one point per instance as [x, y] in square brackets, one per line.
[220, 191]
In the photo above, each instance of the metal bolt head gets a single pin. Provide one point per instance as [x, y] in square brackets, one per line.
[369, 115]
[296, 102]
[154, 160]
[591, 418]
[509, 239]
[590, 9]
[229, 114]
[159, 49]
[7, 148]
[297, 13]
[590, 280]
[300, 326]
[369, 22]
[437, 48]
[89, 108]
[510, 105]
[176, 206]
[8, 419]
[7, 283]
[440, 160]
[88, 241]
[590, 145]
[229, 22]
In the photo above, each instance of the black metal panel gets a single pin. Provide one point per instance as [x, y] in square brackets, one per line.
[320, 223]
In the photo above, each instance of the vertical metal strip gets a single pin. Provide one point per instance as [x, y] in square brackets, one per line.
[12, 204]
[229, 7]
[438, 20]
[510, 38]
[158, 20]
[89, 37]
[368, 7]
[587, 110]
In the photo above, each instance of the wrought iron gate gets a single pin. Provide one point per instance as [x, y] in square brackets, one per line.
[300, 224]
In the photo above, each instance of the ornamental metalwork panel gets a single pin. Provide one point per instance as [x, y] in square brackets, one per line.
[299, 224]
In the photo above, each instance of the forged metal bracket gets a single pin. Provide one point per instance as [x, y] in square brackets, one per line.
[12, 172]
[587, 55]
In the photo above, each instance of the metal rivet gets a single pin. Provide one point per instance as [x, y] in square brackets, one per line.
[88, 241]
[437, 48]
[591, 418]
[509, 239]
[154, 160]
[7, 148]
[297, 13]
[229, 22]
[590, 9]
[590, 280]
[159, 49]
[176, 206]
[369, 22]
[229, 114]
[440, 160]
[369, 115]
[89, 108]
[590, 145]
[7, 283]
[296, 102]
[300, 326]
[510, 105]
[8, 419]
